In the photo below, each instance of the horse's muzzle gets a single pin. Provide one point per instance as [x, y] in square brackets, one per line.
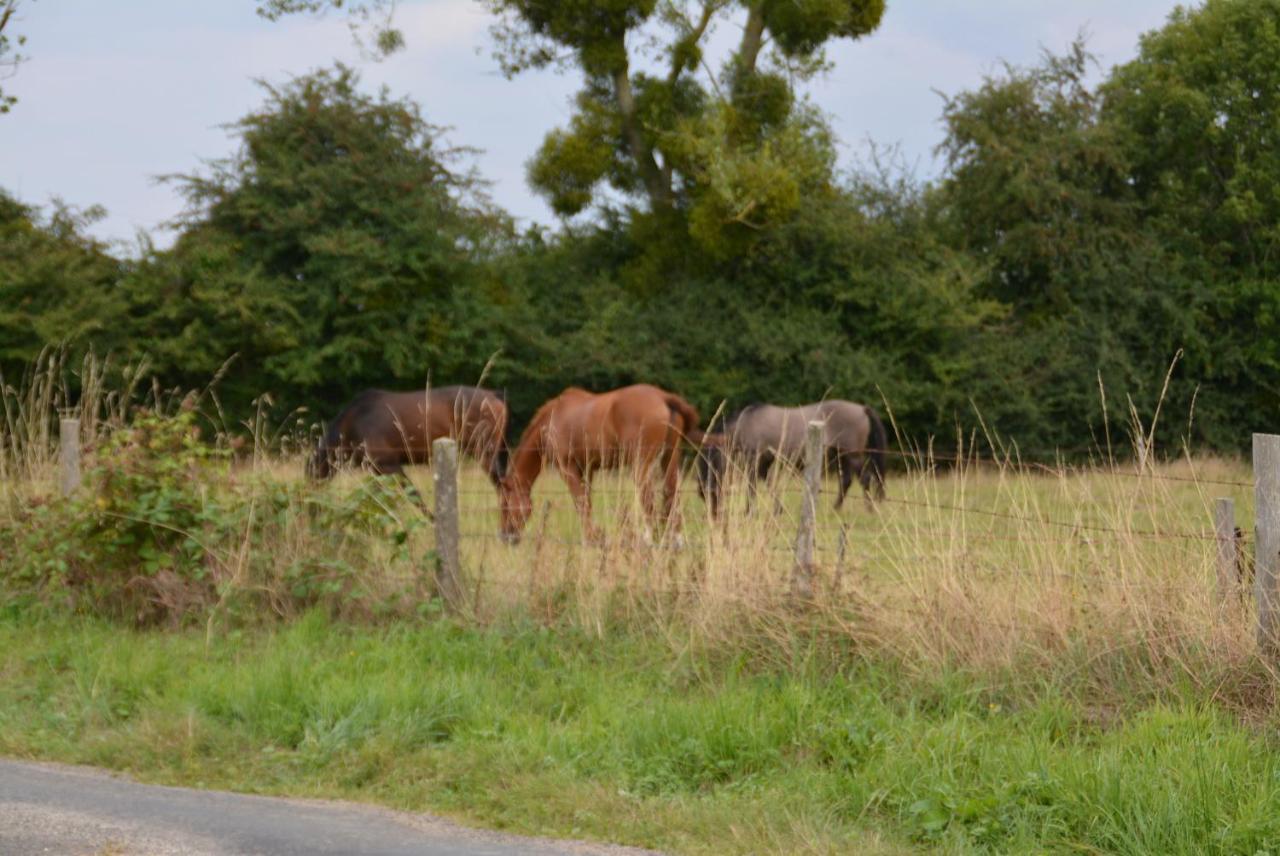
[510, 538]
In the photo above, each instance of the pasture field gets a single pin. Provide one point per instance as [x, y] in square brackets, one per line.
[1001, 658]
[629, 737]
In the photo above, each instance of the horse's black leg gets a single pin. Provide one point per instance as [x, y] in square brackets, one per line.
[869, 476]
[846, 467]
[758, 473]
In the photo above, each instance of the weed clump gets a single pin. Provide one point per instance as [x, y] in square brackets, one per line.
[165, 532]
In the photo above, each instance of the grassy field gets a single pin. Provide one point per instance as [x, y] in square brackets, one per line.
[1105, 575]
[1002, 657]
[622, 737]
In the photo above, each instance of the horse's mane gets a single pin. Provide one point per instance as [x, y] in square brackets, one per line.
[729, 421]
[333, 436]
[540, 417]
[469, 393]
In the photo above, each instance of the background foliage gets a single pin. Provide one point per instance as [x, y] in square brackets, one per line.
[1079, 235]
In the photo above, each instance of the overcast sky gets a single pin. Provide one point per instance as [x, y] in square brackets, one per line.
[118, 92]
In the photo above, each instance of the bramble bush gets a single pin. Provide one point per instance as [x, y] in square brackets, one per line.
[165, 531]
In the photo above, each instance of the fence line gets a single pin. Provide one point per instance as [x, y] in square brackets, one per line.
[1266, 460]
[1228, 540]
[1120, 533]
[1061, 469]
[1139, 533]
[939, 533]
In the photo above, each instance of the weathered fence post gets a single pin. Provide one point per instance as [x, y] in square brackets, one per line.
[806, 538]
[1224, 529]
[1266, 481]
[69, 455]
[444, 477]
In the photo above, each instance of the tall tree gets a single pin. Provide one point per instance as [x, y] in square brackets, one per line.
[57, 284]
[1201, 102]
[1200, 109]
[11, 43]
[729, 144]
[336, 249]
[1037, 188]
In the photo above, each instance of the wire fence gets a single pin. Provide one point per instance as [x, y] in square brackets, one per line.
[476, 513]
[896, 541]
[490, 509]
[965, 532]
[1012, 460]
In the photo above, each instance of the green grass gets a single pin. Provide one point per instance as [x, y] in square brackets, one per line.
[639, 740]
[1000, 661]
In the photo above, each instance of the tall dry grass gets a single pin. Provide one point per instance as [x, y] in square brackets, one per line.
[94, 390]
[1104, 578]
[1098, 578]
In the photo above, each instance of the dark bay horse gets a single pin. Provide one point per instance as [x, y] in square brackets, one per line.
[580, 432]
[854, 440]
[386, 430]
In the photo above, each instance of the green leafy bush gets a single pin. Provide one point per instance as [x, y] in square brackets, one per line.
[166, 531]
[132, 543]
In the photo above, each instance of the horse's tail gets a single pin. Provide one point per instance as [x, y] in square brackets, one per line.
[500, 451]
[688, 417]
[879, 446]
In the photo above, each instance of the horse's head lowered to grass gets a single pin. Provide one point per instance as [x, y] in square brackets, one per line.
[580, 432]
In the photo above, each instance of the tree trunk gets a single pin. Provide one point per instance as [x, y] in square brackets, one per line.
[752, 40]
[658, 188]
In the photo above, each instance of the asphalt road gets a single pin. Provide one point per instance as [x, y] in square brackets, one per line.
[70, 811]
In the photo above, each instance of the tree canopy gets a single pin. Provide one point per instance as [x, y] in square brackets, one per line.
[727, 147]
[335, 249]
[56, 283]
[1079, 238]
[11, 44]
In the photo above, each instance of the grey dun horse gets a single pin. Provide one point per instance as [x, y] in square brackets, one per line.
[854, 440]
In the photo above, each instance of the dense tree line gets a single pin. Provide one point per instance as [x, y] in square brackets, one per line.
[1079, 238]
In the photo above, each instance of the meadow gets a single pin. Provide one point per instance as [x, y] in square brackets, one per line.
[1005, 656]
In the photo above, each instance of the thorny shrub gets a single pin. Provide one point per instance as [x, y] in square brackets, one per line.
[165, 531]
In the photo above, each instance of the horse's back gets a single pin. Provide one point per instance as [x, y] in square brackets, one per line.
[640, 404]
[606, 422]
[781, 430]
[404, 423]
[847, 424]
[762, 428]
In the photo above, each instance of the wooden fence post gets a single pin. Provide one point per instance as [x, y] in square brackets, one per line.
[69, 455]
[806, 538]
[1224, 529]
[1266, 480]
[444, 476]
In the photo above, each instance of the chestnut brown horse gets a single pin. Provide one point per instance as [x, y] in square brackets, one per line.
[580, 432]
[386, 430]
